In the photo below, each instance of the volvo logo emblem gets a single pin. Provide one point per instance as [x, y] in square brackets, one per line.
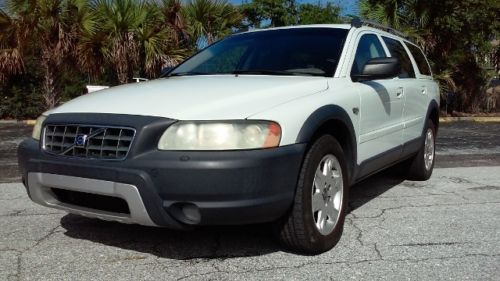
[81, 140]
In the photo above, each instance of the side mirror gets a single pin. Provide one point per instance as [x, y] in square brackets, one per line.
[165, 71]
[379, 68]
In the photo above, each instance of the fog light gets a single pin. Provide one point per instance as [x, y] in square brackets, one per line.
[191, 213]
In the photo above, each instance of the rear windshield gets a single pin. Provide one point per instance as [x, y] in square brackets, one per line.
[295, 51]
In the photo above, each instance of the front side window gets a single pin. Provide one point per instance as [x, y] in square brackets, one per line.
[369, 47]
[295, 51]
[397, 50]
[419, 57]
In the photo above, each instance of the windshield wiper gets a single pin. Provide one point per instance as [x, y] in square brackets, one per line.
[189, 73]
[299, 72]
[262, 71]
[296, 72]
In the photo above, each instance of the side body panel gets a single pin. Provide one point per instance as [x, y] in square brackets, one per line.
[381, 109]
[294, 114]
[424, 91]
[387, 116]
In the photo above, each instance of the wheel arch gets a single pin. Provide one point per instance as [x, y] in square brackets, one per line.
[333, 120]
[433, 114]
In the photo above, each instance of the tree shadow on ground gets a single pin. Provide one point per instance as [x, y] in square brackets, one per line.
[205, 242]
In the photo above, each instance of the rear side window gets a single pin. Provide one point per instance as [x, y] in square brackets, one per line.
[419, 57]
[369, 47]
[397, 50]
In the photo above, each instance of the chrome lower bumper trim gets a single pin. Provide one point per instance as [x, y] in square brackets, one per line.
[39, 185]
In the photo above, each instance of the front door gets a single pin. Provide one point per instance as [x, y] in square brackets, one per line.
[381, 105]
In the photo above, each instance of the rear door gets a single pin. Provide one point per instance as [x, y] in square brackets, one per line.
[407, 83]
[417, 100]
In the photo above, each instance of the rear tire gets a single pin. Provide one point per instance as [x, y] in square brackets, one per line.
[422, 165]
[316, 220]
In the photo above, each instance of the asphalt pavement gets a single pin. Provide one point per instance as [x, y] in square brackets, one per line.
[446, 228]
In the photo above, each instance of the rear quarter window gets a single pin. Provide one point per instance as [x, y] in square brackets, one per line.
[419, 57]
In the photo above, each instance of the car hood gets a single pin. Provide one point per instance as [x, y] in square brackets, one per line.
[214, 97]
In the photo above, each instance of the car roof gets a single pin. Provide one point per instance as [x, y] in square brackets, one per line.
[336, 26]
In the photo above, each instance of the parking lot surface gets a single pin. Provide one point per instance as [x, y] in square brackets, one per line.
[446, 228]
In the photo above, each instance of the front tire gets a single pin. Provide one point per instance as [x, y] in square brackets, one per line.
[316, 220]
[422, 165]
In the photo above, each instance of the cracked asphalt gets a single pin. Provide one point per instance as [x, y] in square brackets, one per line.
[447, 228]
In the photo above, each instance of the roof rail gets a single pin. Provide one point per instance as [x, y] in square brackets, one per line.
[357, 22]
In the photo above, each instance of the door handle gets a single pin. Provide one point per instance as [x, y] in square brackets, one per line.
[400, 92]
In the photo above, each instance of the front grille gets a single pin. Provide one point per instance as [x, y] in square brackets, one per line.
[84, 141]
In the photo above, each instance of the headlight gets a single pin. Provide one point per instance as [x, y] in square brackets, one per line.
[38, 127]
[220, 135]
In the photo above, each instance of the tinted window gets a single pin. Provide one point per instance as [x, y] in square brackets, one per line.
[397, 50]
[369, 47]
[297, 51]
[419, 57]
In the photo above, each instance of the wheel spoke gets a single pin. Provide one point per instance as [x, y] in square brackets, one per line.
[335, 183]
[317, 202]
[321, 219]
[333, 180]
[331, 211]
[332, 191]
[327, 167]
[319, 179]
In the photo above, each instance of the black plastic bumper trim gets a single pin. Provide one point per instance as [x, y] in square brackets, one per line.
[228, 187]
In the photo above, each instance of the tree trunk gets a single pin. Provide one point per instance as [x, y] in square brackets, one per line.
[122, 74]
[51, 95]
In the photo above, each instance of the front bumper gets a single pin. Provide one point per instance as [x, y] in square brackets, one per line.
[223, 187]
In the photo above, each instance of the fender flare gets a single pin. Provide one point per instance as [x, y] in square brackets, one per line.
[320, 117]
[433, 106]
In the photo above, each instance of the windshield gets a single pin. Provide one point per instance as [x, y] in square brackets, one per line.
[295, 51]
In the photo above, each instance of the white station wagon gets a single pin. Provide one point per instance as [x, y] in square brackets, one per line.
[265, 126]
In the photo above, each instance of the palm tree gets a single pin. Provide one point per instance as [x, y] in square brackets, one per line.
[175, 19]
[132, 35]
[50, 25]
[211, 19]
[119, 21]
[408, 16]
[11, 46]
[158, 42]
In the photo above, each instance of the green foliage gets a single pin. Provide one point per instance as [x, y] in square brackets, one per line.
[264, 13]
[75, 42]
[211, 20]
[276, 12]
[21, 95]
[22, 101]
[315, 14]
[50, 49]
